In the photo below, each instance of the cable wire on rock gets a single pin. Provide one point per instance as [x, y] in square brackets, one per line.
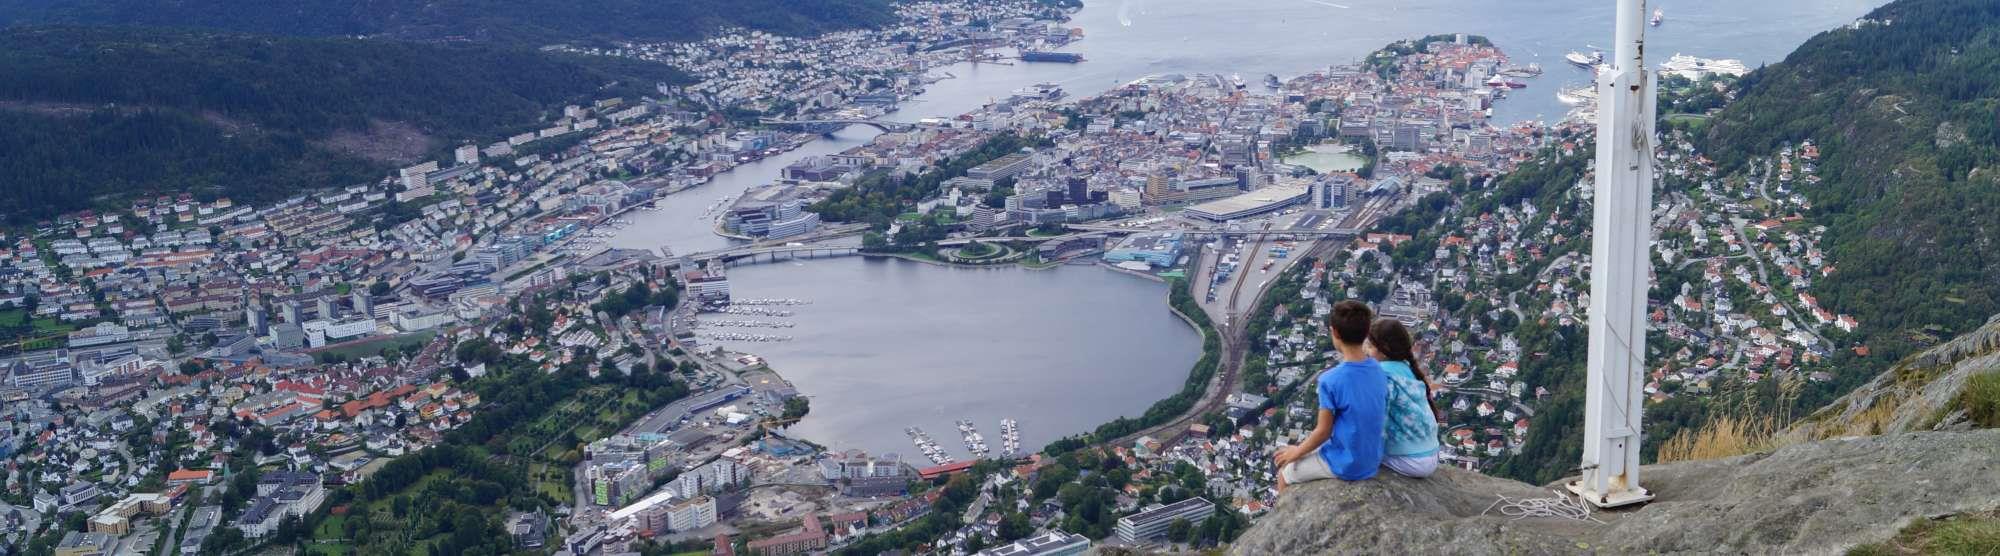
[1561, 506]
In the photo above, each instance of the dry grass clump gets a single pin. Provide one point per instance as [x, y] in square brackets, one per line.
[1722, 437]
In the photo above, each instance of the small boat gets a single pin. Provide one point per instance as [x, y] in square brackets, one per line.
[1658, 16]
[1271, 80]
[1236, 80]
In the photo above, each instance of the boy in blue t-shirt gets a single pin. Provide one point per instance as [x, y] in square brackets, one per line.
[1347, 443]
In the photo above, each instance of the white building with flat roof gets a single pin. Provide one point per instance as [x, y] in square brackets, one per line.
[1152, 522]
[1266, 200]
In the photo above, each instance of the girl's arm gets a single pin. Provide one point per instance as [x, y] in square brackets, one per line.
[1311, 444]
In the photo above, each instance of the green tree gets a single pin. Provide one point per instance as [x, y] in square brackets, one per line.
[1177, 531]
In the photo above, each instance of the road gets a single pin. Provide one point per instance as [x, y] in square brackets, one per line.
[1228, 316]
[1765, 275]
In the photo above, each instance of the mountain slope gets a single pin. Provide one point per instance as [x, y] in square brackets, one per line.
[1935, 390]
[91, 112]
[504, 21]
[1905, 106]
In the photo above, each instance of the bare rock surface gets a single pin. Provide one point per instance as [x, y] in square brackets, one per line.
[1812, 498]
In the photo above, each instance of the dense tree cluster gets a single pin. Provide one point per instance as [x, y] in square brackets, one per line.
[99, 114]
[636, 297]
[533, 23]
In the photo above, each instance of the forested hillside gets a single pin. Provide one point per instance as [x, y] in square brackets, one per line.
[1905, 107]
[1904, 113]
[96, 111]
[535, 22]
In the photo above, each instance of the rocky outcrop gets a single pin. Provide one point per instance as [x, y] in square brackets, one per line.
[1915, 395]
[1812, 498]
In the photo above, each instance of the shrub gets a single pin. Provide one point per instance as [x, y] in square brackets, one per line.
[1981, 400]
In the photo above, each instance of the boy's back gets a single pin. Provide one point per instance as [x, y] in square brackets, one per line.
[1356, 392]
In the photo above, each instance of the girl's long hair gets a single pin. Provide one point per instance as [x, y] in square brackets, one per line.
[1393, 341]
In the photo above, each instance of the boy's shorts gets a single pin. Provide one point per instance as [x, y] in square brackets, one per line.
[1309, 468]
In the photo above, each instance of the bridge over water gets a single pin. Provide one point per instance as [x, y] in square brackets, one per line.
[832, 125]
[754, 253]
[1313, 233]
[751, 254]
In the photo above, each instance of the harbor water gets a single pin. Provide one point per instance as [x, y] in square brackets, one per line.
[892, 344]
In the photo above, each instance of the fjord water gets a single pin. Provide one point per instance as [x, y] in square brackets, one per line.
[892, 344]
[1128, 39]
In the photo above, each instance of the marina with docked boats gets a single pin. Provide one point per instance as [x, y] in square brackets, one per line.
[1010, 442]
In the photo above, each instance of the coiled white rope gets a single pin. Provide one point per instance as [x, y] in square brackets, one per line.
[1561, 506]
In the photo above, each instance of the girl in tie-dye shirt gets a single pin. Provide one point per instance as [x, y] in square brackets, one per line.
[1410, 432]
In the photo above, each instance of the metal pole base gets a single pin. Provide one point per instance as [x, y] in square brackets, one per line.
[1616, 498]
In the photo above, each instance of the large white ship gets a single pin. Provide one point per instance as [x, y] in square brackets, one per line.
[1584, 60]
[1697, 68]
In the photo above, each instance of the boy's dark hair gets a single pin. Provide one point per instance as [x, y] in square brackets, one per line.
[1350, 320]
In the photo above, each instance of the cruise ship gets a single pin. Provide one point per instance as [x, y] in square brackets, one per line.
[1697, 68]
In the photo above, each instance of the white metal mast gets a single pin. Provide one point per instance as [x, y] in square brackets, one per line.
[1620, 261]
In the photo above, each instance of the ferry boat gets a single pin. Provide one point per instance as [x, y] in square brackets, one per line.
[1658, 16]
[1499, 82]
[1531, 70]
[1039, 91]
[1046, 56]
[1585, 60]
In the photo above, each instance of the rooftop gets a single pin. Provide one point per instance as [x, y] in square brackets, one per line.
[1262, 200]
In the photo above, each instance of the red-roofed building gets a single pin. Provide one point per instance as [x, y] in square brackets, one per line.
[929, 473]
[306, 392]
[847, 525]
[185, 476]
[808, 539]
